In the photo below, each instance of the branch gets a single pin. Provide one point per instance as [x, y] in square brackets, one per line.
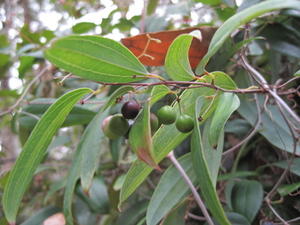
[261, 80]
[192, 187]
[38, 76]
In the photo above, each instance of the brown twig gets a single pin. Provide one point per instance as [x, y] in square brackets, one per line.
[192, 187]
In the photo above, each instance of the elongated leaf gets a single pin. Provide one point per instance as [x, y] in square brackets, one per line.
[89, 144]
[274, 127]
[34, 150]
[201, 168]
[78, 115]
[83, 27]
[158, 92]
[177, 59]
[246, 198]
[140, 137]
[115, 95]
[170, 190]
[297, 74]
[288, 188]
[152, 4]
[227, 104]
[168, 137]
[95, 58]
[90, 148]
[41, 215]
[294, 167]
[133, 214]
[177, 215]
[239, 19]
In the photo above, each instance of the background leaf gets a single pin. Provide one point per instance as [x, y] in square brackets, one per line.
[41, 215]
[239, 19]
[34, 150]
[170, 190]
[246, 198]
[95, 58]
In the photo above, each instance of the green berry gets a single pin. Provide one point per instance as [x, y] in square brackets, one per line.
[184, 123]
[115, 126]
[166, 115]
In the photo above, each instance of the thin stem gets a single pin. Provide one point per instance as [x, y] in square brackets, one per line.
[38, 76]
[261, 80]
[192, 187]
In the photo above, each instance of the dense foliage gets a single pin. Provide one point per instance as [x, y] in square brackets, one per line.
[91, 134]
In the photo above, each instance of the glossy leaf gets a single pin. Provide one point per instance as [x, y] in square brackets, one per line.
[34, 150]
[85, 160]
[140, 139]
[115, 95]
[227, 104]
[239, 19]
[95, 58]
[158, 92]
[170, 190]
[200, 165]
[246, 198]
[30, 113]
[177, 59]
[170, 135]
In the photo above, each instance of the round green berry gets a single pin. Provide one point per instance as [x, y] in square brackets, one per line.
[184, 123]
[166, 115]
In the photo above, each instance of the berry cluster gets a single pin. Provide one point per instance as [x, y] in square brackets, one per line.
[117, 125]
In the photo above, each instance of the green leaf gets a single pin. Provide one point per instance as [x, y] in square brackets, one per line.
[274, 127]
[26, 63]
[140, 138]
[288, 188]
[96, 197]
[200, 164]
[157, 92]
[246, 198]
[132, 215]
[41, 215]
[115, 95]
[177, 59]
[176, 216]
[209, 2]
[90, 148]
[239, 19]
[90, 143]
[34, 150]
[294, 167]
[235, 219]
[170, 190]
[83, 27]
[221, 80]
[297, 74]
[168, 137]
[227, 104]
[95, 58]
[152, 4]
[30, 113]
